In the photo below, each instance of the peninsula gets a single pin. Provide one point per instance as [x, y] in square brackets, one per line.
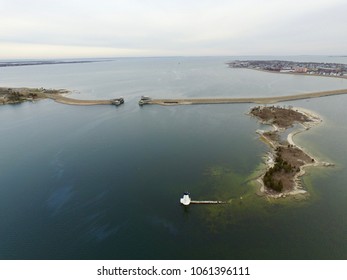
[286, 162]
[300, 68]
[46, 62]
[19, 95]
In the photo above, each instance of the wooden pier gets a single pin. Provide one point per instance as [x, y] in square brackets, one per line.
[186, 200]
[208, 202]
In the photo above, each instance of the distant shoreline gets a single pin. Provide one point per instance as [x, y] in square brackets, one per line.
[45, 62]
[294, 73]
[319, 69]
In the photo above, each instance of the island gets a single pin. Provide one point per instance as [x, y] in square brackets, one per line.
[286, 161]
[19, 95]
[300, 68]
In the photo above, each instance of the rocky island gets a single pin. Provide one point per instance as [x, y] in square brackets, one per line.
[286, 161]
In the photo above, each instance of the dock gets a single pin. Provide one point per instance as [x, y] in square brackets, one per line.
[185, 200]
[208, 202]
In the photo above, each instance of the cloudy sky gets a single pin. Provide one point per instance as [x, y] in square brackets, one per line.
[104, 28]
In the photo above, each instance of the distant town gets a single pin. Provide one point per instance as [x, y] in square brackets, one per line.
[308, 68]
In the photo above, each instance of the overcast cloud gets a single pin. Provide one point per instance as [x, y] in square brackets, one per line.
[101, 28]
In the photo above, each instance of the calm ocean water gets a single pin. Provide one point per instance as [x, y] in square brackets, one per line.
[104, 182]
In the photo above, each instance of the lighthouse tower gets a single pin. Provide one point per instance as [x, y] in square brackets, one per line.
[185, 200]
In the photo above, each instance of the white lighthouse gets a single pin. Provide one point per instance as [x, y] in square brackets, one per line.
[185, 200]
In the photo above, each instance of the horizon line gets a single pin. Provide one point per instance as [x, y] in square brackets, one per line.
[162, 56]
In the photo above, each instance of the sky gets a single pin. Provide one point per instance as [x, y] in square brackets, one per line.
[120, 28]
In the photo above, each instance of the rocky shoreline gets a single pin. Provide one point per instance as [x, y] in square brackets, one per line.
[20, 95]
[286, 162]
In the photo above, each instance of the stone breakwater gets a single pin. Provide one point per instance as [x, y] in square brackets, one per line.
[257, 100]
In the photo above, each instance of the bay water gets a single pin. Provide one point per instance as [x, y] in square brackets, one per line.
[104, 182]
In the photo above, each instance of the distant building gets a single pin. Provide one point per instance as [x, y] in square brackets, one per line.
[286, 70]
[300, 70]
